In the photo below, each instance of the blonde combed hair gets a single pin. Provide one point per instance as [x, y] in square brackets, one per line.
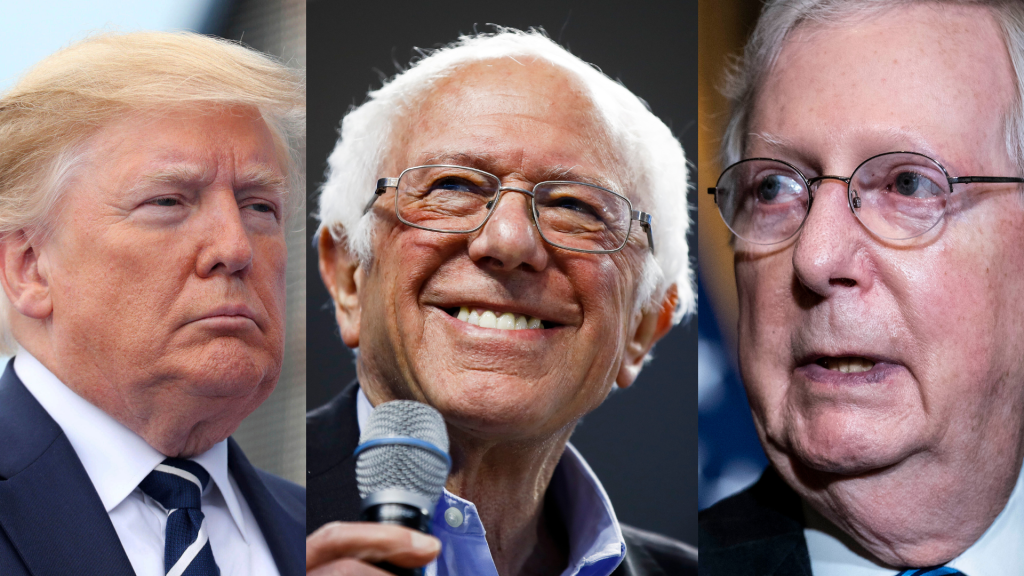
[48, 118]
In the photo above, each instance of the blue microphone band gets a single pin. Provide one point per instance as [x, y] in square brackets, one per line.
[404, 441]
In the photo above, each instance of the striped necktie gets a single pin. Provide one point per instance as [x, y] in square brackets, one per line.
[178, 486]
[933, 571]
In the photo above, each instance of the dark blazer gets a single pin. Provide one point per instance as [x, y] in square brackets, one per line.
[758, 532]
[332, 434]
[52, 522]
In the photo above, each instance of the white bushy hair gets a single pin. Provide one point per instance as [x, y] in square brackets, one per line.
[654, 159]
[779, 18]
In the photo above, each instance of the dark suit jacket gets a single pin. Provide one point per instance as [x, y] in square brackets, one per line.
[332, 434]
[758, 532]
[52, 522]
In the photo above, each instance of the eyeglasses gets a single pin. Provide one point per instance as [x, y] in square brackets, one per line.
[458, 200]
[896, 195]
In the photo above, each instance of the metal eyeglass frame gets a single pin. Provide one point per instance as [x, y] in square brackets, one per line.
[854, 201]
[643, 217]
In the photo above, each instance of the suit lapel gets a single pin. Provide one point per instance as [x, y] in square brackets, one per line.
[758, 532]
[282, 530]
[49, 509]
[332, 434]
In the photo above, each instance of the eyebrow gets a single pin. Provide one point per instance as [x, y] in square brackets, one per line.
[487, 163]
[257, 176]
[887, 140]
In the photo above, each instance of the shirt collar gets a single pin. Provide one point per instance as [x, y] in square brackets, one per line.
[595, 537]
[996, 553]
[115, 458]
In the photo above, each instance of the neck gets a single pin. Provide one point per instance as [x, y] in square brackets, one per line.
[507, 482]
[909, 515]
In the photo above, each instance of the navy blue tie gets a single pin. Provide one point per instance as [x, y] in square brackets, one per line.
[178, 486]
[933, 571]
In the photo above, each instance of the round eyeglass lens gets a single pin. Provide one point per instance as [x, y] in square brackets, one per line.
[899, 195]
[762, 201]
[445, 198]
[581, 217]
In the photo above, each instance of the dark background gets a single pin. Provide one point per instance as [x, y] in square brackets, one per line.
[642, 442]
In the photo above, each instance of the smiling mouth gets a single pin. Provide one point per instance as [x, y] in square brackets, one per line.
[846, 364]
[498, 320]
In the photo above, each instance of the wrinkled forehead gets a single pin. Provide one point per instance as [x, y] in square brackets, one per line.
[931, 72]
[521, 111]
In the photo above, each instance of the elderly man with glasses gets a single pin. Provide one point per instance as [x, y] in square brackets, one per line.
[522, 250]
[874, 193]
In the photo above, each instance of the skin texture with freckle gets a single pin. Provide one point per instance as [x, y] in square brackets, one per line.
[162, 300]
[916, 458]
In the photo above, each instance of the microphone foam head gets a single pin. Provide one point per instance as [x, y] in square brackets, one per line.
[398, 466]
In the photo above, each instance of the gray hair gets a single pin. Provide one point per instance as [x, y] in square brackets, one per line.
[781, 17]
[48, 119]
[654, 158]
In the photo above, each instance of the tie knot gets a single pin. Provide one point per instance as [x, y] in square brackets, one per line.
[176, 483]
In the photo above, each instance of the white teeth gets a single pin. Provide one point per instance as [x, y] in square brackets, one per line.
[506, 321]
[488, 320]
[848, 365]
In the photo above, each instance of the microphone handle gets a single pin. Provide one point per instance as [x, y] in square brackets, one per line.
[402, 515]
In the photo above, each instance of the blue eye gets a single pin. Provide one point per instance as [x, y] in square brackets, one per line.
[915, 185]
[166, 202]
[265, 208]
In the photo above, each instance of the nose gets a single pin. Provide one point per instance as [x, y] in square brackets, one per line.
[829, 255]
[509, 238]
[226, 246]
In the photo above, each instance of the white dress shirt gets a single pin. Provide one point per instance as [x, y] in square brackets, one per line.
[117, 460]
[999, 551]
[596, 545]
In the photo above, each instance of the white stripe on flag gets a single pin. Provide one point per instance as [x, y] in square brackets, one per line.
[190, 553]
[182, 473]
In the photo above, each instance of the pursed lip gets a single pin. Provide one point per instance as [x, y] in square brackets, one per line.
[228, 313]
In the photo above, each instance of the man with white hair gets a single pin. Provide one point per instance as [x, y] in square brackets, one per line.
[144, 183]
[504, 238]
[874, 192]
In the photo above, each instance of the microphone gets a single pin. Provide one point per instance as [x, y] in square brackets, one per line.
[401, 467]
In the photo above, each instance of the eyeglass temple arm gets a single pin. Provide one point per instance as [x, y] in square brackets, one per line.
[382, 186]
[645, 222]
[985, 179]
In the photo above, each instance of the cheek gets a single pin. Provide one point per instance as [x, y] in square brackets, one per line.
[765, 287]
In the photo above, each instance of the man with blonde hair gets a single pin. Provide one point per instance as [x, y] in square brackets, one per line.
[144, 184]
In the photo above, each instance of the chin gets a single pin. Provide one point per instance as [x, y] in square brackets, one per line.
[498, 407]
[230, 368]
[847, 445]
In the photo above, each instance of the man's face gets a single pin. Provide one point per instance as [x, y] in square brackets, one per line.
[524, 124]
[167, 274]
[931, 327]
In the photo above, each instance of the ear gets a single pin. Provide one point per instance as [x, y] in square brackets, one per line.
[342, 275]
[24, 279]
[652, 326]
